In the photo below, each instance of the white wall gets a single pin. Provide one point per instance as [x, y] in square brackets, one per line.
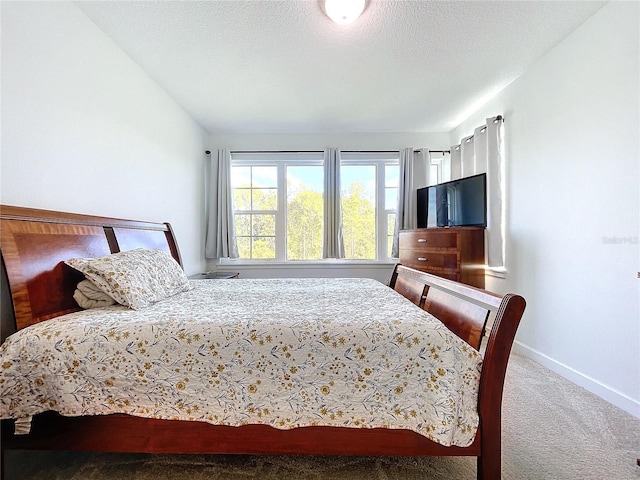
[319, 141]
[85, 130]
[572, 145]
[316, 141]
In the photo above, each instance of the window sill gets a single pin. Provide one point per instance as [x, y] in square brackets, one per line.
[497, 272]
[333, 263]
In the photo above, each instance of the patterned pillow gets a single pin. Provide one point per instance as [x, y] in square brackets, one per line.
[136, 278]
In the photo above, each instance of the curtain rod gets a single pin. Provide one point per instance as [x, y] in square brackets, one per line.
[208, 152]
[392, 151]
[468, 138]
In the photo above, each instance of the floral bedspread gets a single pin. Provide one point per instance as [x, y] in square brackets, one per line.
[282, 352]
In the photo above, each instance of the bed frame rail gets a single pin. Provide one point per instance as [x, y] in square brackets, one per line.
[463, 309]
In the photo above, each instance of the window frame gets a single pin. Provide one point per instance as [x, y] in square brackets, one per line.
[380, 160]
[279, 160]
[251, 212]
[282, 159]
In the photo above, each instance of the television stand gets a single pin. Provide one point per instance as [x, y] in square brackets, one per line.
[456, 253]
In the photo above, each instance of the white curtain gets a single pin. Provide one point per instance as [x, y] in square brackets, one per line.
[467, 157]
[415, 167]
[333, 242]
[496, 188]
[483, 153]
[480, 153]
[221, 234]
[455, 162]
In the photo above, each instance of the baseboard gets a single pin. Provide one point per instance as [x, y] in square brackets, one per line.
[605, 392]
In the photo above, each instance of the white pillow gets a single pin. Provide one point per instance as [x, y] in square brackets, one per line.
[136, 278]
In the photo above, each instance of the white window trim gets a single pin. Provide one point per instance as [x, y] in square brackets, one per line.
[439, 163]
[280, 159]
[379, 160]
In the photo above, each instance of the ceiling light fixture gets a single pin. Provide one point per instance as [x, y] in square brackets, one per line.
[343, 11]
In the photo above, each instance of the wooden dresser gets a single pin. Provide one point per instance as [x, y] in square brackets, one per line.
[456, 253]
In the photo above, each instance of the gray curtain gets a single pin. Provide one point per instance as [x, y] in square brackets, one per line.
[413, 174]
[455, 162]
[467, 157]
[496, 206]
[332, 242]
[483, 152]
[221, 233]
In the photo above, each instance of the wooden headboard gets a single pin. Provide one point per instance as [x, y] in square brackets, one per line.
[36, 283]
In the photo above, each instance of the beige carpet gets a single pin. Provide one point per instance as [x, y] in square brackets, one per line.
[552, 430]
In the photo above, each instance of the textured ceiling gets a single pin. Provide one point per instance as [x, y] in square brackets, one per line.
[240, 66]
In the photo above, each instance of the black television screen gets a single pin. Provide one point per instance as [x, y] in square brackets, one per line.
[458, 203]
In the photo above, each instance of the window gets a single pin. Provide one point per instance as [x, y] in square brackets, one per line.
[278, 205]
[390, 201]
[305, 211]
[255, 198]
[436, 172]
[369, 190]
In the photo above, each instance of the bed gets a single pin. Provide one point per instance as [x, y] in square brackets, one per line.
[299, 380]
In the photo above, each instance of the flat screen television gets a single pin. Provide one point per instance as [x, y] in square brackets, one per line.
[458, 203]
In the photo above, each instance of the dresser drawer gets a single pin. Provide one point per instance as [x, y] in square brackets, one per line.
[456, 253]
[429, 239]
[421, 260]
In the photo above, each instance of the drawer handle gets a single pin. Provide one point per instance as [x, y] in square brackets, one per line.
[422, 240]
[422, 259]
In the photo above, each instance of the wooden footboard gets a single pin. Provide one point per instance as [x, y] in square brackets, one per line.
[34, 245]
[466, 311]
